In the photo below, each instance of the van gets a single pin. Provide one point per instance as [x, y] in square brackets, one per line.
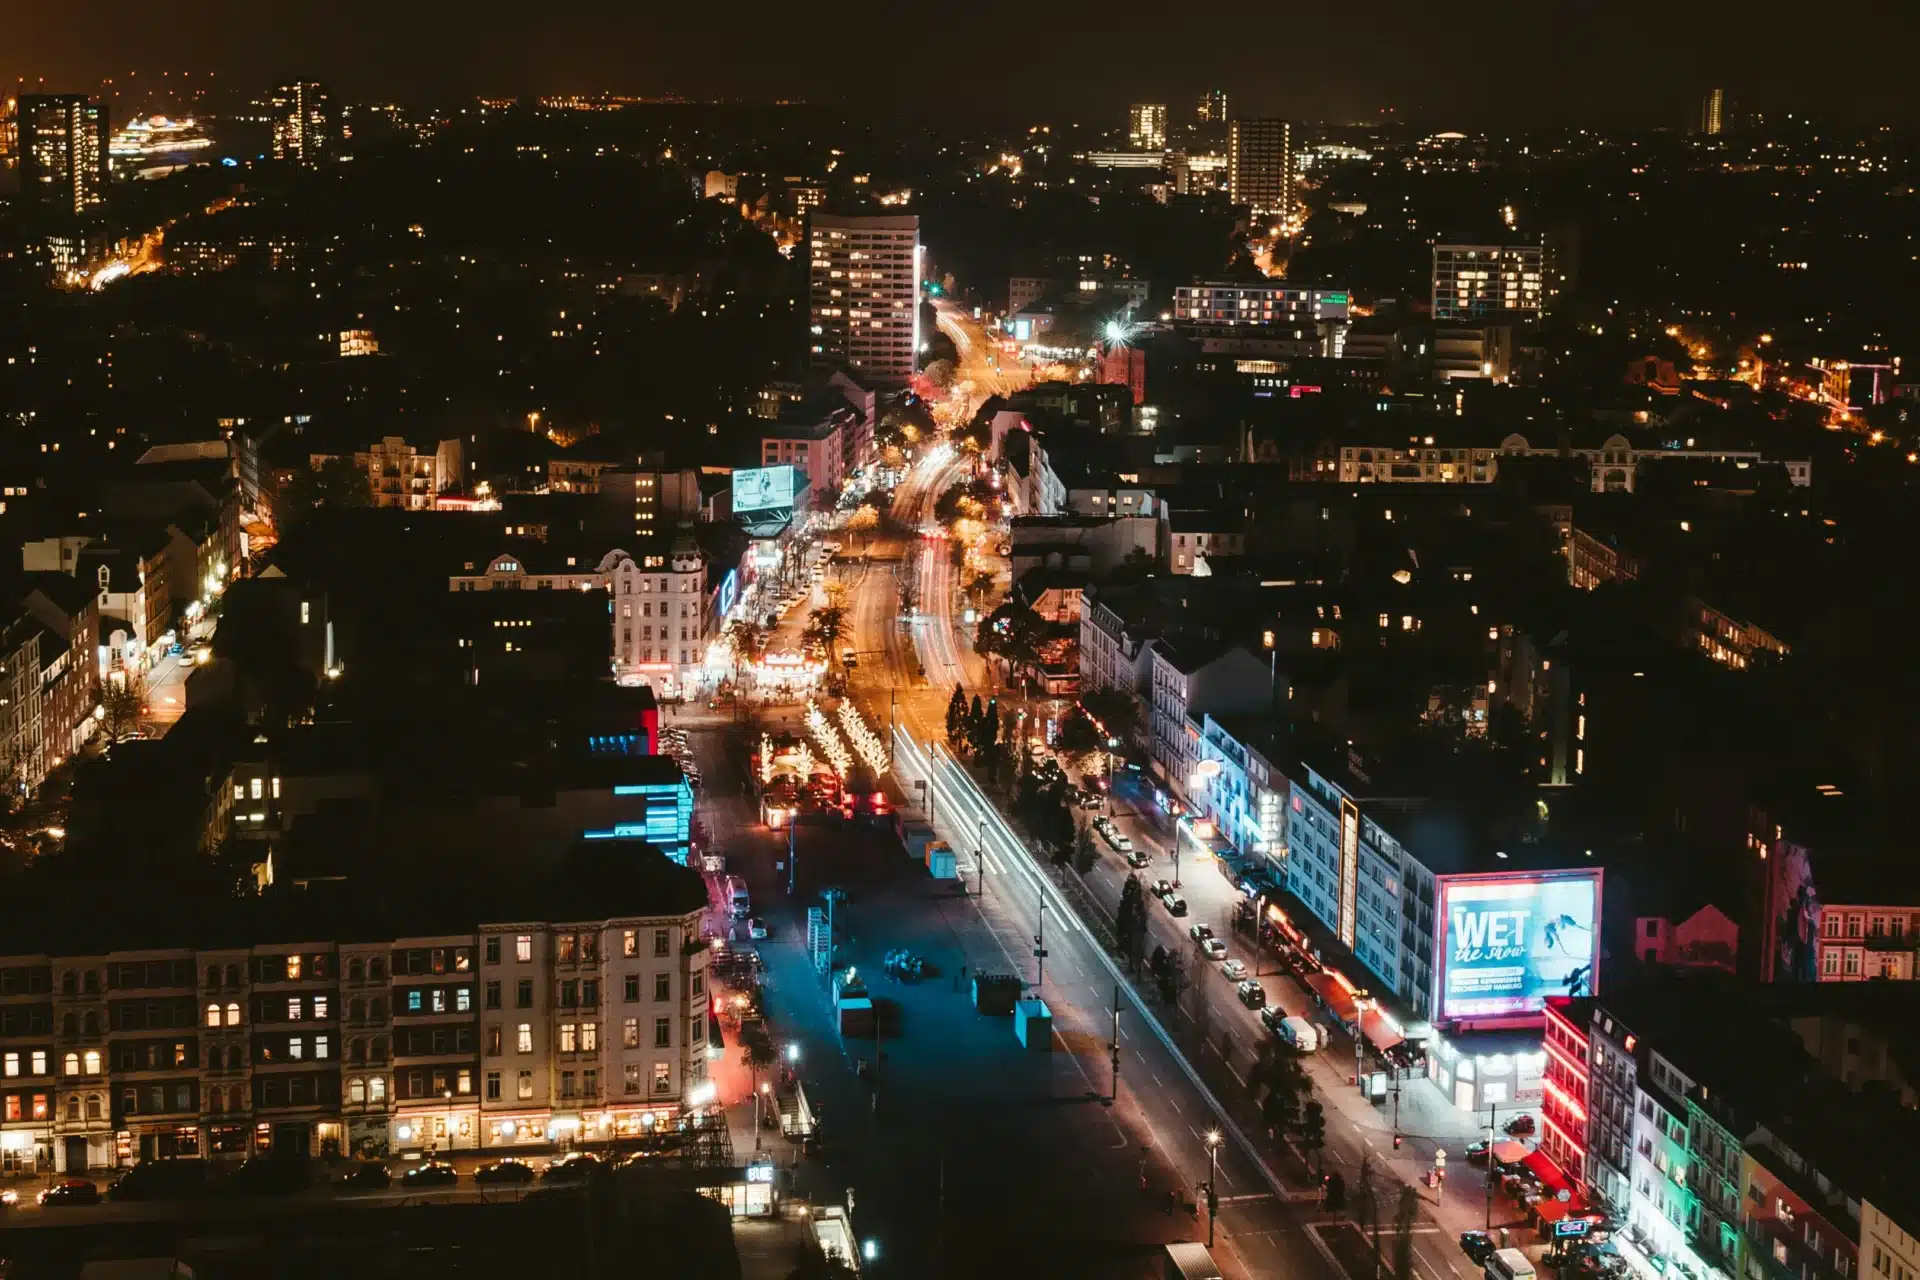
[742, 903]
[1508, 1264]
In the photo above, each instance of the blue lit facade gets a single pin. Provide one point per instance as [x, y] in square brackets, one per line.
[1363, 885]
[662, 816]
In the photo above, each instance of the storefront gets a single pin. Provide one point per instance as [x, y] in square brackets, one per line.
[1501, 1071]
[748, 1192]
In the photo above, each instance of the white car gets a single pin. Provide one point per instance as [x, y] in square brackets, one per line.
[756, 928]
[1214, 949]
[1234, 969]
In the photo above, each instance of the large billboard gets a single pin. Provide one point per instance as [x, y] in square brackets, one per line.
[1507, 942]
[763, 489]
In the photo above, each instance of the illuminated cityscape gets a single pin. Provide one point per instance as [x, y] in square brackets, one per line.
[1252, 656]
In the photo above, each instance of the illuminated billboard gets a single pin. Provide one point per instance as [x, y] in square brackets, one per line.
[1507, 942]
[763, 489]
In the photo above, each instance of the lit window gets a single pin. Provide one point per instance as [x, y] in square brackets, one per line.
[523, 1040]
[255, 788]
[567, 1037]
[213, 1015]
[233, 1015]
[293, 968]
[321, 1047]
[296, 1048]
[293, 1008]
[319, 1006]
[92, 1061]
[523, 948]
[377, 1089]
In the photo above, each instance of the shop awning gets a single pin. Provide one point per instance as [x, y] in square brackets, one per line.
[1508, 1151]
[1541, 1165]
[1552, 1210]
[1381, 1031]
[1337, 998]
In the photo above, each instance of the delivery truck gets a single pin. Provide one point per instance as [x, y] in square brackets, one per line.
[1300, 1033]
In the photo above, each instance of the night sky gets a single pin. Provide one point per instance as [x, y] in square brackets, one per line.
[1634, 62]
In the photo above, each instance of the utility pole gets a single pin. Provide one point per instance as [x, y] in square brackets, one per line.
[1113, 1049]
[1490, 1167]
[1040, 950]
[980, 859]
[1177, 828]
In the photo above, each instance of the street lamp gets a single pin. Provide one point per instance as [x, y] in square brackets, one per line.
[765, 1090]
[1273, 665]
[1213, 1181]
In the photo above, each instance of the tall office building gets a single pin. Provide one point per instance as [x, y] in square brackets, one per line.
[1147, 126]
[1212, 108]
[302, 121]
[863, 295]
[62, 139]
[9, 133]
[1260, 166]
[1472, 281]
[1716, 113]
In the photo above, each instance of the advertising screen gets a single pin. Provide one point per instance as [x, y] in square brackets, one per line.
[762, 489]
[1508, 942]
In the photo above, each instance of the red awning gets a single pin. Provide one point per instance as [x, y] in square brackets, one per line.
[1380, 1032]
[1542, 1167]
[1336, 997]
[1551, 1210]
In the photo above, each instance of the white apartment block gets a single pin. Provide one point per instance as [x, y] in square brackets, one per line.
[1472, 281]
[659, 605]
[864, 295]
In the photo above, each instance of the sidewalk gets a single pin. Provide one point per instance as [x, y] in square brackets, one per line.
[1428, 1121]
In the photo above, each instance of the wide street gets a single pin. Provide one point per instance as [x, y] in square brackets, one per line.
[1182, 1069]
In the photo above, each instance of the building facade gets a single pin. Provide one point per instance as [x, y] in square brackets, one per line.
[302, 121]
[1147, 126]
[516, 1036]
[661, 619]
[62, 141]
[1225, 304]
[1471, 281]
[864, 295]
[1260, 166]
[1563, 1100]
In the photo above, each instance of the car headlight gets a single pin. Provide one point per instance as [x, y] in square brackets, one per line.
[9, 1197]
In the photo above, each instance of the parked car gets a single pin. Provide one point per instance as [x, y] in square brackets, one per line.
[1477, 1245]
[1090, 799]
[1252, 994]
[1235, 969]
[574, 1168]
[756, 928]
[1521, 1126]
[270, 1176]
[1174, 903]
[368, 1177]
[72, 1191]
[1200, 932]
[434, 1173]
[1272, 1016]
[1137, 858]
[1214, 949]
[1160, 888]
[1479, 1152]
[161, 1180]
[508, 1170]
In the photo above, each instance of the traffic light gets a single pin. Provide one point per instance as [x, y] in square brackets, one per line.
[1396, 1142]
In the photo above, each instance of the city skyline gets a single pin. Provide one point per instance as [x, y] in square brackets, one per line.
[1557, 67]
